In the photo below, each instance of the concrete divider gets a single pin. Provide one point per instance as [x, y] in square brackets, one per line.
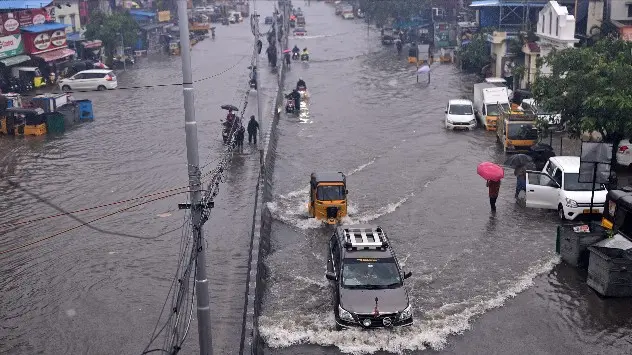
[261, 219]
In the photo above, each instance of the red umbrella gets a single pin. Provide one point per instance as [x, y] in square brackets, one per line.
[287, 51]
[490, 171]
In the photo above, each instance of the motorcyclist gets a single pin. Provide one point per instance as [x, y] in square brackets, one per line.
[398, 44]
[305, 54]
[296, 96]
[295, 49]
[300, 83]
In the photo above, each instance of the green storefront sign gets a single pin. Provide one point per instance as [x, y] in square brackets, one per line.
[11, 45]
[441, 35]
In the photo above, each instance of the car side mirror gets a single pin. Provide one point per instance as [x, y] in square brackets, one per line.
[331, 276]
[408, 274]
[346, 192]
[446, 111]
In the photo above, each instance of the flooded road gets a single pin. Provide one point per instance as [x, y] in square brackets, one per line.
[367, 117]
[99, 290]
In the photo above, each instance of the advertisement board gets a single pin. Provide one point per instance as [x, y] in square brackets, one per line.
[626, 33]
[10, 46]
[35, 43]
[164, 16]
[10, 22]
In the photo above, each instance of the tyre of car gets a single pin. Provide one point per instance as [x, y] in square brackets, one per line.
[101, 88]
[66, 88]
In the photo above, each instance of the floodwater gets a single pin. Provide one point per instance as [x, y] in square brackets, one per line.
[482, 283]
[100, 289]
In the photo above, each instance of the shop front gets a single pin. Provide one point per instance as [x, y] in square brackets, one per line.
[47, 45]
[85, 49]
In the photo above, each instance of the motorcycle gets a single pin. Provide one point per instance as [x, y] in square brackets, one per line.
[304, 57]
[295, 55]
[289, 105]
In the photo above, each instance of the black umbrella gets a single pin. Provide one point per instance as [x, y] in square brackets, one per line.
[518, 160]
[230, 107]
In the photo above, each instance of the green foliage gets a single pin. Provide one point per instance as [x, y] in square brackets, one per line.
[476, 54]
[380, 10]
[590, 87]
[108, 28]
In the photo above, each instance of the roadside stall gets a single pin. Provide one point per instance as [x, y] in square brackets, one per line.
[47, 45]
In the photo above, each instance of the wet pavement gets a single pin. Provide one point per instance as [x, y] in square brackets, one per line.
[100, 289]
[494, 278]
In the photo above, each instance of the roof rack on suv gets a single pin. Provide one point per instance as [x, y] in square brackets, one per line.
[365, 238]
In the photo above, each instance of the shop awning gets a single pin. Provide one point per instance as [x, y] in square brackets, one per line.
[56, 54]
[45, 27]
[92, 44]
[15, 60]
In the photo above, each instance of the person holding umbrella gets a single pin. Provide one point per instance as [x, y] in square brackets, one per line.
[519, 162]
[493, 174]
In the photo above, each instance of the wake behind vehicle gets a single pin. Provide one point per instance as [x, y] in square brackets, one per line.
[328, 197]
[459, 114]
[367, 280]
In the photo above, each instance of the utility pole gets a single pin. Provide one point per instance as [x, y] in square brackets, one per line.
[123, 52]
[195, 187]
[255, 19]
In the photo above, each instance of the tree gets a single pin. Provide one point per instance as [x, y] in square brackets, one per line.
[380, 10]
[475, 55]
[590, 87]
[109, 28]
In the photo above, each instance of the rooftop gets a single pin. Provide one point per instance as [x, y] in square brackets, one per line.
[23, 4]
[45, 27]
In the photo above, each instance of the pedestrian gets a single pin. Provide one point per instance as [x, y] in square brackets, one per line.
[288, 59]
[253, 126]
[239, 139]
[521, 180]
[494, 188]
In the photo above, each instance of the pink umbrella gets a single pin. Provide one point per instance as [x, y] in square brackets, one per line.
[490, 171]
[287, 51]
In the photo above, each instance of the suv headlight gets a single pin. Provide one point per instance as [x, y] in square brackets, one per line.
[448, 120]
[345, 315]
[406, 313]
[473, 121]
[571, 203]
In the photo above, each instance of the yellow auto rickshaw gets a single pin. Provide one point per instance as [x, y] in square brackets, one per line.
[328, 197]
[30, 74]
[617, 211]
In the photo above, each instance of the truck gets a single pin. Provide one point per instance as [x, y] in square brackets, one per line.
[516, 130]
[488, 99]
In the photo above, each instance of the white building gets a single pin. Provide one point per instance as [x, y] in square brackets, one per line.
[67, 11]
[555, 30]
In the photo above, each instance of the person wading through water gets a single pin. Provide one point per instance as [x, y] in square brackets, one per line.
[253, 126]
[494, 188]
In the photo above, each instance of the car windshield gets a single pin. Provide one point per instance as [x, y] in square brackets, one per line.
[571, 183]
[460, 110]
[370, 273]
[330, 193]
[492, 109]
[521, 131]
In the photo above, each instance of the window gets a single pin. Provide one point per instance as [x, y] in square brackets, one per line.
[571, 183]
[542, 18]
[460, 110]
[550, 23]
[61, 18]
[370, 273]
[557, 25]
[629, 10]
[330, 193]
[73, 22]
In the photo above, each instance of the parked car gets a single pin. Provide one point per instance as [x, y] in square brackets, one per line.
[624, 153]
[300, 31]
[367, 280]
[94, 79]
[557, 187]
[459, 114]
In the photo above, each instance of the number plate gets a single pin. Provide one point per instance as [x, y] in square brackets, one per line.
[587, 210]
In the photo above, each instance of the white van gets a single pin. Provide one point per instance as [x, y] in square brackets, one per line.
[557, 187]
[502, 83]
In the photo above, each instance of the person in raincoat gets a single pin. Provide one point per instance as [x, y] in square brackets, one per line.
[494, 188]
[239, 139]
[253, 127]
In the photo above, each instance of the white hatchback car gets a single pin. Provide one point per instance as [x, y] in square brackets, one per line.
[93, 79]
[459, 114]
[557, 187]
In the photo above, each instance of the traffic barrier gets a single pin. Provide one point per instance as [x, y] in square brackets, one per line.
[261, 222]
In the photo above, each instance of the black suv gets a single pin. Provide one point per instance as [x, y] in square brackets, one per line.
[368, 283]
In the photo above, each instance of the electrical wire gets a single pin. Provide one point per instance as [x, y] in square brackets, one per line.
[22, 246]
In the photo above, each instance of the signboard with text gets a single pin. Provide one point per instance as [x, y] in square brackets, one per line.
[10, 22]
[11, 46]
[626, 34]
[44, 41]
